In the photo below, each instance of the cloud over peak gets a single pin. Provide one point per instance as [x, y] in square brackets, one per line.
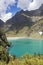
[4, 5]
[35, 4]
[29, 4]
[22, 4]
[7, 16]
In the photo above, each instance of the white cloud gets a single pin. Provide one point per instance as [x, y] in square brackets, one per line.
[35, 4]
[27, 5]
[23, 4]
[7, 16]
[4, 4]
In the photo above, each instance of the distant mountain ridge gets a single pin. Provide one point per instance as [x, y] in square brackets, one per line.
[1, 23]
[24, 18]
[37, 12]
[25, 21]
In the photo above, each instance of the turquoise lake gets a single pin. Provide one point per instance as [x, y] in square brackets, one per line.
[20, 47]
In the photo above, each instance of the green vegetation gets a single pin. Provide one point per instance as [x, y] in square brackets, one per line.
[4, 56]
[25, 60]
[3, 39]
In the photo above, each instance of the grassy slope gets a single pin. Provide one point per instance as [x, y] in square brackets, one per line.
[36, 29]
[25, 60]
[21, 33]
[25, 32]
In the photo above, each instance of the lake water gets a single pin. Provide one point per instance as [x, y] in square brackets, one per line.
[20, 47]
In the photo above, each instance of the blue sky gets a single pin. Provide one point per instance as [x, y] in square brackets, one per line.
[13, 9]
[8, 8]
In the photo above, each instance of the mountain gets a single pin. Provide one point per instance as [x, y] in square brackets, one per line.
[19, 21]
[25, 22]
[1, 23]
[37, 12]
